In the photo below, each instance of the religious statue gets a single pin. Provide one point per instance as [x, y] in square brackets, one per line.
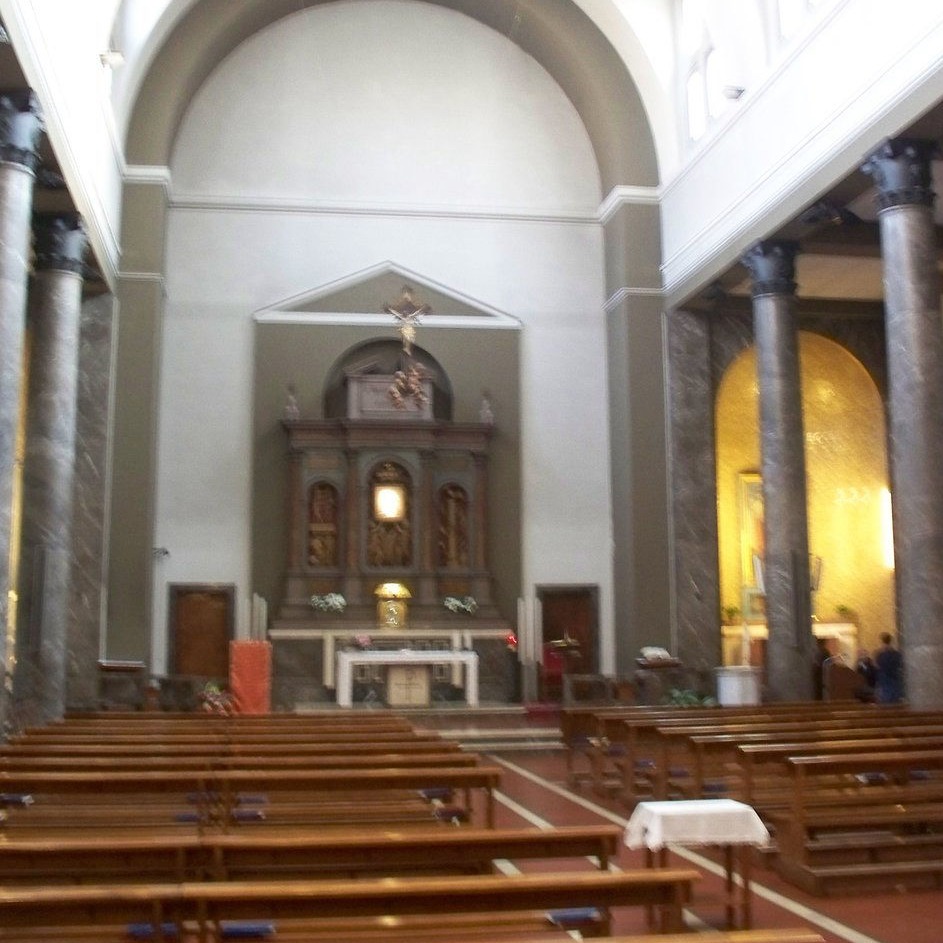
[291, 411]
[408, 314]
[485, 411]
[407, 382]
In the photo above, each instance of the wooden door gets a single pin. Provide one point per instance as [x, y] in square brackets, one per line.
[201, 627]
[571, 613]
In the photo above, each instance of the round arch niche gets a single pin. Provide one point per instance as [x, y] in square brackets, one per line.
[847, 486]
[383, 358]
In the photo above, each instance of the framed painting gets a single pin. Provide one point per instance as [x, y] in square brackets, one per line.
[752, 544]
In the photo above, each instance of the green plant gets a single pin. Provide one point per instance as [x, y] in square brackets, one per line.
[688, 698]
[731, 613]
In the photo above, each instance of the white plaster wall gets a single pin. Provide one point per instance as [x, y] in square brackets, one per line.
[386, 102]
[262, 215]
[864, 74]
[58, 44]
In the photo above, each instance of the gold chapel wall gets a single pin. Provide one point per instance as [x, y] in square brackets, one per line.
[847, 481]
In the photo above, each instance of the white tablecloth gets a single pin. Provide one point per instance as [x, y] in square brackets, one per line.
[694, 822]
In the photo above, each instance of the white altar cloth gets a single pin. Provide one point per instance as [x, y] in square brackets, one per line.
[348, 659]
[694, 822]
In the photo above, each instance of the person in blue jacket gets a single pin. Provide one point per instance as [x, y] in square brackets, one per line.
[889, 665]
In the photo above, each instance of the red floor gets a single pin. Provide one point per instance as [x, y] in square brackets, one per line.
[534, 790]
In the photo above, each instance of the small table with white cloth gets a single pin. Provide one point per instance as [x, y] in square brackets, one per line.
[723, 822]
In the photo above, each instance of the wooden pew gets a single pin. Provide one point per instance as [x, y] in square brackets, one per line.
[224, 787]
[209, 739]
[104, 748]
[761, 765]
[327, 716]
[623, 743]
[866, 802]
[498, 929]
[148, 764]
[689, 761]
[125, 719]
[82, 858]
[795, 935]
[207, 904]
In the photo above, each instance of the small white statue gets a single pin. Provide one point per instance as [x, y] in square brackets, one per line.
[485, 412]
[291, 410]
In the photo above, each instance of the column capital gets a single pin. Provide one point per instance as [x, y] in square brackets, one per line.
[59, 242]
[21, 127]
[772, 266]
[902, 173]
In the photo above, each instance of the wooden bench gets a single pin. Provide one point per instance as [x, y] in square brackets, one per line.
[208, 904]
[697, 762]
[794, 935]
[885, 806]
[148, 764]
[621, 750]
[222, 789]
[103, 748]
[81, 858]
[583, 731]
[209, 739]
[761, 766]
[655, 756]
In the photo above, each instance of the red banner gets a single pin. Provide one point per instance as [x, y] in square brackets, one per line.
[250, 677]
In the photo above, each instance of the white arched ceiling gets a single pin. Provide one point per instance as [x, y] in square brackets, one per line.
[193, 36]
[335, 105]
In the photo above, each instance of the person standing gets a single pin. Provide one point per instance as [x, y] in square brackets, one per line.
[889, 665]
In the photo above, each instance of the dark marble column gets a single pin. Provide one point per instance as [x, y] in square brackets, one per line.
[49, 464]
[692, 468]
[89, 531]
[20, 132]
[901, 170]
[789, 651]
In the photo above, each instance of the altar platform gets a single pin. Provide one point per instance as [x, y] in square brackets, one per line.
[305, 661]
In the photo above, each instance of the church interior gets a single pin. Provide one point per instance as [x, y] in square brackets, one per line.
[520, 368]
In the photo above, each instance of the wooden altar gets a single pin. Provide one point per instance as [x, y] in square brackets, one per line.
[388, 496]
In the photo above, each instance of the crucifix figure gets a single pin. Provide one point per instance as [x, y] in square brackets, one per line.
[408, 314]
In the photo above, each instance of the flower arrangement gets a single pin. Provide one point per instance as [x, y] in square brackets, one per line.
[329, 602]
[363, 642]
[510, 640]
[214, 700]
[466, 604]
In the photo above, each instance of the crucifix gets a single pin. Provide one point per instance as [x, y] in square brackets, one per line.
[408, 314]
[407, 383]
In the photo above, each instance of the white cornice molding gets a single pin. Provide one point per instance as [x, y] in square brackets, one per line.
[141, 276]
[355, 319]
[242, 204]
[153, 174]
[624, 293]
[627, 196]
[616, 198]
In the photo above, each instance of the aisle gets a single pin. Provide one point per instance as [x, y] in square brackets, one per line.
[534, 791]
